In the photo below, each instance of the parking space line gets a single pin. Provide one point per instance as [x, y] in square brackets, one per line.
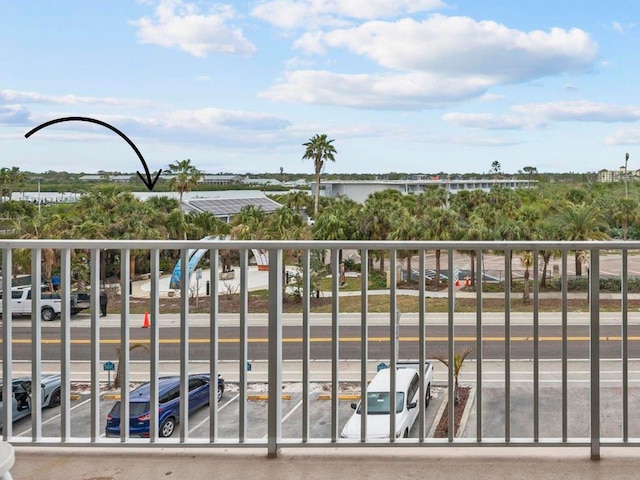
[209, 416]
[284, 419]
[55, 417]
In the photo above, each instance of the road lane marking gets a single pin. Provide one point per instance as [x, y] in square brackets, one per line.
[176, 341]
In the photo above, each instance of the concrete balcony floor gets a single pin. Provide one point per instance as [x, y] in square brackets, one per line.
[369, 463]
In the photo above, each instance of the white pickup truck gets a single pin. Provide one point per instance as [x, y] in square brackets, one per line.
[50, 303]
[379, 402]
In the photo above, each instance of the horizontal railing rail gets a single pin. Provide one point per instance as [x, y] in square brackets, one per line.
[502, 409]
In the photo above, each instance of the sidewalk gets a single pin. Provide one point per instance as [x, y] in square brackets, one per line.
[450, 463]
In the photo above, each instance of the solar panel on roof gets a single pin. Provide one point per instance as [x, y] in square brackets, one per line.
[232, 206]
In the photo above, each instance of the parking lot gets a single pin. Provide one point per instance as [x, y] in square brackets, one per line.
[228, 414]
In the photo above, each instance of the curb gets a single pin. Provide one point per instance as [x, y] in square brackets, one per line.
[467, 412]
[436, 420]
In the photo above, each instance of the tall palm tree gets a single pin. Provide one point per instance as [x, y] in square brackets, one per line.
[185, 177]
[581, 222]
[320, 150]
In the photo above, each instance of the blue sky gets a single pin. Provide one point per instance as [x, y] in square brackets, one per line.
[400, 85]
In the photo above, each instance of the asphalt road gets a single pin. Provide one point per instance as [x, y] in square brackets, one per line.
[494, 343]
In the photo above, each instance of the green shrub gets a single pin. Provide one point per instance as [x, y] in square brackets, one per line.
[377, 280]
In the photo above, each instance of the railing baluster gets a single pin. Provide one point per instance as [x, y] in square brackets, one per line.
[214, 335]
[564, 354]
[65, 345]
[335, 337]
[536, 349]
[95, 345]
[244, 343]
[123, 361]
[479, 257]
[507, 344]
[184, 345]
[594, 309]
[364, 341]
[393, 343]
[451, 348]
[306, 342]
[624, 291]
[154, 348]
[7, 341]
[422, 403]
[274, 408]
[36, 345]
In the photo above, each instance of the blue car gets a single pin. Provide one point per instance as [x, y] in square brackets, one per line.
[169, 405]
[21, 395]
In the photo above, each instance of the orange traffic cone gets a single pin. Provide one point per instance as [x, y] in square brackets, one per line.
[145, 322]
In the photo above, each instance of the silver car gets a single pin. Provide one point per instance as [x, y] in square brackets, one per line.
[21, 395]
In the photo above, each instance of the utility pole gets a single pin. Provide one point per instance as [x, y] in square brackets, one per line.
[626, 179]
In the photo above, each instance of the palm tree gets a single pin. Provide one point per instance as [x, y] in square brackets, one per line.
[320, 150]
[625, 211]
[185, 177]
[458, 360]
[580, 222]
[442, 225]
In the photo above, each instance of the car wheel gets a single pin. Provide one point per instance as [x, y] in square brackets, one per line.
[54, 401]
[167, 427]
[220, 392]
[47, 314]
[428, 396]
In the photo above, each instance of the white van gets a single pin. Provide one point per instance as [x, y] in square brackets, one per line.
[378, 403]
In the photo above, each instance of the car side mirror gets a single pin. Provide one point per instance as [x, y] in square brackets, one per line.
[412, 405]
[354, 405]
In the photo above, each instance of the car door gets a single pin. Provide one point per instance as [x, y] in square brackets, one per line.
[18, 305]
[21, 400]
[198, 392]
[412, 397]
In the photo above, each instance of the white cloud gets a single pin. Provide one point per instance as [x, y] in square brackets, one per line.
[408, 91]
[581, 111]
[624, 136]
[617, 27]
[204, 78]
[493, 122]
[180, 24]
[434, 62]
[462, 46]
[311, 14]
[13, 97]
[17, 115]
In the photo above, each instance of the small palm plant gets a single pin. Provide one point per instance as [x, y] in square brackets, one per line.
[458, 360]
[132, 347]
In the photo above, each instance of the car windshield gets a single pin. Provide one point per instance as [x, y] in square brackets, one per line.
[378, 403]
[135, 409]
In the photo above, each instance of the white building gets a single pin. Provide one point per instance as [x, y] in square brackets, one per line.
[359, 190]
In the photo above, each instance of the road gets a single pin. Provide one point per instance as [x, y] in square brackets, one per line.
[521, 344]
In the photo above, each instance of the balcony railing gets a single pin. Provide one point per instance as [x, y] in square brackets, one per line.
[537, 413]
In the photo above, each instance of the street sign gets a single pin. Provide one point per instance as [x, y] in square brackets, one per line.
[109, 366]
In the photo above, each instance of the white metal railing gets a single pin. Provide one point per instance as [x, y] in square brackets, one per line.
[14, 350]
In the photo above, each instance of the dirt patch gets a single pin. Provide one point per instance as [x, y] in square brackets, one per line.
[442, 430]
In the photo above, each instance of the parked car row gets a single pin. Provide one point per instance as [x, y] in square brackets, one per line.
[139, 403]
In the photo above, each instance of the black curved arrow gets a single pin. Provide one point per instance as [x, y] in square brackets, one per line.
[149, 182]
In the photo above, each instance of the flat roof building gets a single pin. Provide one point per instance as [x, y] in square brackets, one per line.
[359, 190]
